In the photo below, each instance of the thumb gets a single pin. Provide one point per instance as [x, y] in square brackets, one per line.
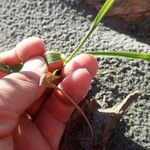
[18, 91]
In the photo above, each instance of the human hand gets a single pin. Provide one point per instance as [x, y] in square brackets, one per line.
[21, 96]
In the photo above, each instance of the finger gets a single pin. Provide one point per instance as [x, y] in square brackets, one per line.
[33, 109]
[82, 61]
[26, 49]
[6, 143]
[3, 73]
[26, 133]
[57, 111]
[51, 120]
[18, 91]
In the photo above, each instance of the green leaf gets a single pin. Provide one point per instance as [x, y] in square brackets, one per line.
[10, 68]
[105, 8]
[4, 68]
[52, 56]
[108, 4]
[128, 55]
[15, 68]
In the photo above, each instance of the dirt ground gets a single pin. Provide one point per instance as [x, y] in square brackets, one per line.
[62, 23]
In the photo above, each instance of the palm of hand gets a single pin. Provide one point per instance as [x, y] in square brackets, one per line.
[49, 110]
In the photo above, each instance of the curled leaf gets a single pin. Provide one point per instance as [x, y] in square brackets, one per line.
[53, 56]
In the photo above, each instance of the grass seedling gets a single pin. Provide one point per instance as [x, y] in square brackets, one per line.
[52, 57]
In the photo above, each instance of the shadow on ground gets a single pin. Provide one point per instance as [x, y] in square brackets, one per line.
[118, 141]
[139, 30]
[78, 132]
[83, 140]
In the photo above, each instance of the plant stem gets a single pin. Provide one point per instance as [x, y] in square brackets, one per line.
[106, 7]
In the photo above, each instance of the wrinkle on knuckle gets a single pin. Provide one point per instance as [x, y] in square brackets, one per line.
[27, 78]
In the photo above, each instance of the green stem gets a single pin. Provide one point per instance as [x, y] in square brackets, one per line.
[106, 7]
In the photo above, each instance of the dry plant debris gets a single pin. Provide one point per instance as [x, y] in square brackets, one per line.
[109, 118]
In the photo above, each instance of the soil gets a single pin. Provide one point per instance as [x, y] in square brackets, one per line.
[62, 24]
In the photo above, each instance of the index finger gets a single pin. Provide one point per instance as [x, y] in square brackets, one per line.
[29, 47]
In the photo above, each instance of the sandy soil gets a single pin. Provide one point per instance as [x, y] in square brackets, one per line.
[62, 23]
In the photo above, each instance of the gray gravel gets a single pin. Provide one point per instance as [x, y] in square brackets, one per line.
[62, 24]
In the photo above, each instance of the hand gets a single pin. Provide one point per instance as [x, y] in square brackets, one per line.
[29, 115]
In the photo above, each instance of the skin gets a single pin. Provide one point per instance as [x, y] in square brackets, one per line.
[33, 116]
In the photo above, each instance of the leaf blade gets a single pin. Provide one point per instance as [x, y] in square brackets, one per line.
[107, 5]
[128, 55]
[11, 68]
[102, 12]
